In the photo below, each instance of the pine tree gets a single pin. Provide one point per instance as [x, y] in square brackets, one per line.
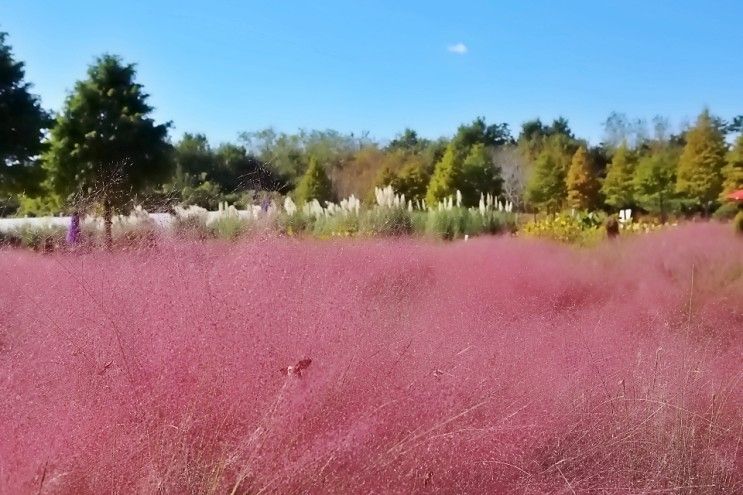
[104, 144]
[699, 177]
[546, 188]
[314, 184]
[581, 182]
[446, 177]
[618, 187]
[733, 171]
[22, 123]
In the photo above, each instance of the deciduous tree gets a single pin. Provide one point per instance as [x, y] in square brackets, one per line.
[582, 185]
[618, 187]
[699, 178]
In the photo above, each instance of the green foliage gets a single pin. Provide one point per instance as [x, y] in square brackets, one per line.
[478, 132]
[228, 227]
[579, 229]
[733, 170]
[104, 145]
[194, 159]
[289, 154]
[546, 188]
[699, 178]
[38, 238]
[336, 225]
[726, 211]
[458, 222]
[654, 180]
[738, 223]
[315, 184]
[295, 224]
[581, 183]
[22, 122]
[412, 181]
[409, 142]
[39, 206]
[536, 136]
[207, 195]
[618, 187]
[447, 176]
[387, 222]
[386, 177]
[479, 176]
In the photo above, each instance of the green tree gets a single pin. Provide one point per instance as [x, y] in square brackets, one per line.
[618, 187]
[386, 176]
[412, 181]
[546, 187]
[479, 176]
[408, 141]
[733, 171]
[194, 160]
[581, 183]
[699, 178]
[446, 177]
[237, 170]
[22, 122]
[104, 145]
[654, 181]
[314, 184]
[478, 132]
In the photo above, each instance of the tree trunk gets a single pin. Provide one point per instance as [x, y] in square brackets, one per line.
[107, 222]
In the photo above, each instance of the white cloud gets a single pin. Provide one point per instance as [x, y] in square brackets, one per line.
[459, 48]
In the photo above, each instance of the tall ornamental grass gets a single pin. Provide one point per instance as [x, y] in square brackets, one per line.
[274, 365]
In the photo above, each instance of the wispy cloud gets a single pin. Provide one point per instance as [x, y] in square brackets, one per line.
[458, 48]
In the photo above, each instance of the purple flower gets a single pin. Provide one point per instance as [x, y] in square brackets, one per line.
[73, 233]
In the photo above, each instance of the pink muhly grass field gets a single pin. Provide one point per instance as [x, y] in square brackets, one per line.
[499, 365]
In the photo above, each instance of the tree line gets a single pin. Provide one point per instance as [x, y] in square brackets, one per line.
[104, 150]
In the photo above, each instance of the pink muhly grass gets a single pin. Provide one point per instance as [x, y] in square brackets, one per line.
[492, 366]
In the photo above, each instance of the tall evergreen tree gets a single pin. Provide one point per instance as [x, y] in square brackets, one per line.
[618, 187]
[733, 171]
[699, 178]
[314, 184]
[447, 176]
[546, 187]
[581, 183]
[22, 123]
[104, 145]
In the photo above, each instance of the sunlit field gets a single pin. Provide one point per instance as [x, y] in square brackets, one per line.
[278, 365]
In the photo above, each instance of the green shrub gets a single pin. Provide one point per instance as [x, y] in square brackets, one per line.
[726, 212]
[457, 222]
[38, 238]
[386, 222]
[295, 224]
[228, 227]
[578, 229]
[333, 225]
[738, 223]
[447, 224]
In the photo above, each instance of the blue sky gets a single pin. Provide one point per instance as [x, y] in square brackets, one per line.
[226, 66]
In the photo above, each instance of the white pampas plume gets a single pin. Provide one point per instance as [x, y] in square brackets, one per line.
[289, 206]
